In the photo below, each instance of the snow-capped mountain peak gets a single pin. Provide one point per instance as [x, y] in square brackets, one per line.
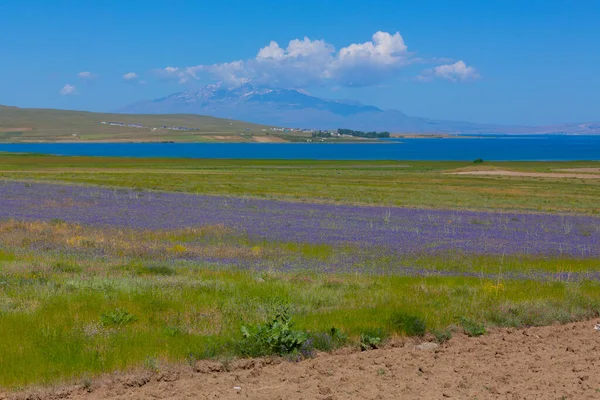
[292, 107]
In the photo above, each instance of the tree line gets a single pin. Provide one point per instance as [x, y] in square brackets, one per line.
[370, 135]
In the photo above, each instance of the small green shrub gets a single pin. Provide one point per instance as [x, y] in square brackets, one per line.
[472, 328]
[409, 324]
[327, 341]
[478, 161]
[442, 336]
[152, 364]
[369, 341]
[117, 318]
[274, 337]
[173, 330]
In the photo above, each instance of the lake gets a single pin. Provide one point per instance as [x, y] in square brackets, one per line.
[467, 148]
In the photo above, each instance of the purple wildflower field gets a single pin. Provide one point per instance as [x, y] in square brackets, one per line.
[397, 230]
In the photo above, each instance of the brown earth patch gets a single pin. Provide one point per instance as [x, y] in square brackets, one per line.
[15, 129]
[268, 139]
[526, 174]
[552, 362]
[473, 168]
[583, 170]
[224, 138]
[221, 137]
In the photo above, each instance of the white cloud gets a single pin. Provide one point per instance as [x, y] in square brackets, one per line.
[87, 75]
[183, 75]
[372, 62]
[305, 62]
[271, 51]
[457, 72]
[67, 90]
[130, 76]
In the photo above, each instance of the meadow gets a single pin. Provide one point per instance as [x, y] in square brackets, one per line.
[424, 184]
[48, 125]
[112, 264]
[26, 125]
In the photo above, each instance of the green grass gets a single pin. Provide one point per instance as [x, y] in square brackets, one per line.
[48, 125]
[407, 183]
[9, 135]
[22, 124]
[68, 314]
[59, 326]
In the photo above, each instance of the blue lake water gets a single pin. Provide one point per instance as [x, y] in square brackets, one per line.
[493, 148]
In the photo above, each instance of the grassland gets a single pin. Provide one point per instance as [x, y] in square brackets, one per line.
[384, 183]
[23, 125]
[65, 314]
[47, 125]
[79, 299]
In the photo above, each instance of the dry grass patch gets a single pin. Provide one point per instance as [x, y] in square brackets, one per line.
[499, 172]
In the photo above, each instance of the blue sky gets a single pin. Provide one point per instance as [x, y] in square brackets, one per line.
[514, 62]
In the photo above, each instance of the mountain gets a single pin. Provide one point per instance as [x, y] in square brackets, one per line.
[296, 108]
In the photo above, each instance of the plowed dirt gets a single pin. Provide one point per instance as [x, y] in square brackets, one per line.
[554, 362]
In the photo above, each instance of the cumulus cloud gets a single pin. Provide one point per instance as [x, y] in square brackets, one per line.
[130, 76]
[457, 72]
[306, 62]
[67, 90]
[87, 75]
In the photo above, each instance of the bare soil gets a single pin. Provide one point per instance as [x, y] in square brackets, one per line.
[584, 170]
[15, 129]
[554, 362]
[268, 139]
[225, 138]
[529, 174]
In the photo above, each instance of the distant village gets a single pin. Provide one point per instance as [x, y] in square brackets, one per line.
[185, 128]
[172, 128]
[317, 134]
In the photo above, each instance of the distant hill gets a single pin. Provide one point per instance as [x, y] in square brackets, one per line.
[296, 108]
[23, 124]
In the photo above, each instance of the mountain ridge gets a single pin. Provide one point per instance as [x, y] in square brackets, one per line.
[295, 108]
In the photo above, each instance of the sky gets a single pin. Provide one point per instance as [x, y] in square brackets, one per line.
[512, 62]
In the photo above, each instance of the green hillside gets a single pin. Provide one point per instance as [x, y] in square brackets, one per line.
[46, 125]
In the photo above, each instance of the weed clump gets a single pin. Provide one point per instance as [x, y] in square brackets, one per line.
[117, 318]
[277, 336]
[66, 267]
[369, 340]
[472, 328]
[408, 324]
[173, 330]
[442, 336]
[323, 341]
